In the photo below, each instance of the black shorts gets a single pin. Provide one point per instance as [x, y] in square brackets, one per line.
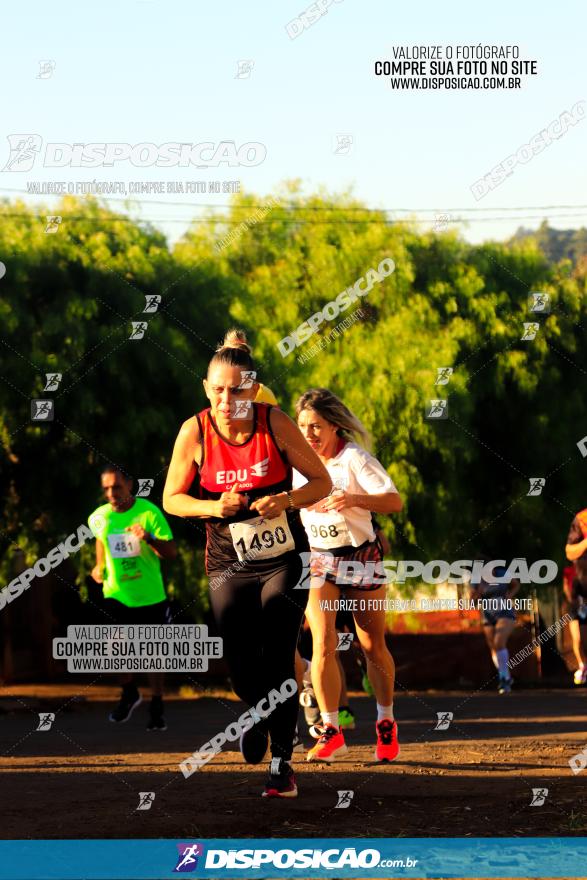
[126, 615]
[490, 618]
[576, 611]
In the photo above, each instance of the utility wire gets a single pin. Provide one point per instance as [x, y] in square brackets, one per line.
[294, 207]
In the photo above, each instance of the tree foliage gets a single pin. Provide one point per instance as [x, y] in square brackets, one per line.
[67, 301]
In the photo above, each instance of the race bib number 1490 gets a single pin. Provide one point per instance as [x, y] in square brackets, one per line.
[261, 538]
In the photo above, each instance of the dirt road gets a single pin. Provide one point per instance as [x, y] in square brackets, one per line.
[82, 777]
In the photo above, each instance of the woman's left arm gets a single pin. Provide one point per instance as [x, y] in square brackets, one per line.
[383, 502]
[386, 502]
[376, 502]
[302, 457]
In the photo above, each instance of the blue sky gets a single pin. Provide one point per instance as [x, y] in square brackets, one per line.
[156, 71]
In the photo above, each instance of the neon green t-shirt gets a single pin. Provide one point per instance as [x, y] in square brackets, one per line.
[133, 569]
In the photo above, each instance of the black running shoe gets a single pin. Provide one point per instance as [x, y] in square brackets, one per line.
[316, 730]
[282, 780]
[297, 745]
[310, 704]
[254, 743]
[156, 718]
[129, 700]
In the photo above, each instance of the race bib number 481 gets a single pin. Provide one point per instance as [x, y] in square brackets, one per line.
[125, 544]
[261, 538]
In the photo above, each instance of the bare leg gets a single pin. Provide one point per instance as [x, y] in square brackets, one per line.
[371, 634]
[300, 670]
[503, 630]
[489, 633]
[583, 642]
[578, 643]
[343, 699]
[325, 671]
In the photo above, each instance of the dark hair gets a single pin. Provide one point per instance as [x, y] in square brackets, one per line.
[234, 352]
[116, 469]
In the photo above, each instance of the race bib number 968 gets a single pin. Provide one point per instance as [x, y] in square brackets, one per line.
[327, 530]
[261, 538]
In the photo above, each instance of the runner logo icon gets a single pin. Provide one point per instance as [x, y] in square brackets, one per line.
[145, 486]
[152, 303]
[52, 381]
[539, 302]
[42, 410]
[436, 409]
[248, 378]
[345, 640]
[443, 375]
[240, 409]
[531, 328]
[344, 799]
[46, 720]
[579, 761]
[53, 222]
[46, 69]
[537, 484]
[138, 329]
[305, 579]
[188, 857]
[23, 151]
[146, 799]
[539, 795]
[444, 719]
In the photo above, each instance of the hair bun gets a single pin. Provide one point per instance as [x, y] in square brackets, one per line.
[236, 339]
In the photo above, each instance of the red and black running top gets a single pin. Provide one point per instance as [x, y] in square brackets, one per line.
[255, 468]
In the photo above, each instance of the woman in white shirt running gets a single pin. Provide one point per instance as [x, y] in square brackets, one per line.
[340, 531]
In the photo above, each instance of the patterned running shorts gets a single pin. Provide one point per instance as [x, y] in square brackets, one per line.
[324, 565]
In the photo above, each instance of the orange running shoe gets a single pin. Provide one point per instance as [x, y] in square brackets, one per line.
[387, 745]
[330, 745]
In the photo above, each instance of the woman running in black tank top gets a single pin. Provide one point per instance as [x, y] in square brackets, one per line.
[242, 455]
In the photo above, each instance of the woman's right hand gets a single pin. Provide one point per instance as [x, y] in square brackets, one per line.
[230, 503]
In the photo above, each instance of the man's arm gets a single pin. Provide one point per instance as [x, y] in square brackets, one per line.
[164, 548]
[98, 569]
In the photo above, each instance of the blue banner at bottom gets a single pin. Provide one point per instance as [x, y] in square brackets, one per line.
[288, 858]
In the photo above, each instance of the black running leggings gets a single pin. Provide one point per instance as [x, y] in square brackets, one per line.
[259, 616]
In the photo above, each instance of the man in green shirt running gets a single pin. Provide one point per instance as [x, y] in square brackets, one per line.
[132, 536]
